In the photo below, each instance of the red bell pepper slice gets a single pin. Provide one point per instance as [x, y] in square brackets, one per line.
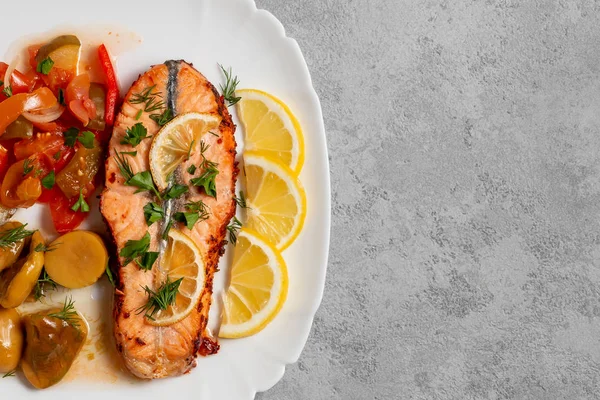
[4, 161]
[112, 92]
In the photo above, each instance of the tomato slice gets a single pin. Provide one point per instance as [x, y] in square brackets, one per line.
[77, 97]
[63, 217]
[21, 83]
[4, 161]
[48, 143]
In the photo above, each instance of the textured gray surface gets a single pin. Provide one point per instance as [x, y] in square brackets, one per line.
[464, 140]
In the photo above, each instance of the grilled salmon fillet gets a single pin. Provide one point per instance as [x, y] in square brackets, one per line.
[149, 351]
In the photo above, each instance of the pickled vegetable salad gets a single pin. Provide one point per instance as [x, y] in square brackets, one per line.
[54, 123]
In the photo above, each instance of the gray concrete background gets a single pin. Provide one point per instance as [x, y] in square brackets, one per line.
[464, 140]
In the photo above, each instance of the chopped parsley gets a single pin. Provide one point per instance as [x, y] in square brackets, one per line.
[45, 66]
[135, 134]
[48, 180]
[81, 204]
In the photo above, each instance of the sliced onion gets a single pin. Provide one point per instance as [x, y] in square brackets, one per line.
[48, 115]
[9, 71]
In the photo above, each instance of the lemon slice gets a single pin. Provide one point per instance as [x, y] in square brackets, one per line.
[181, 259]
[172, 144]
[271, 128]
[275, 198]
[258, 287]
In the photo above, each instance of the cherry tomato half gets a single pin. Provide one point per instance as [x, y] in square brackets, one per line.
[63, 217]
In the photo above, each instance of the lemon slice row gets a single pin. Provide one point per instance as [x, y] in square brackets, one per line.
[273, 158]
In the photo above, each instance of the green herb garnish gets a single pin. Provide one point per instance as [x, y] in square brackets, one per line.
[110, 276]
[191, 169]
[147, 260]
[161, 299]
[196, 211]
[175, 191]
[43, 284]
[138, 115]
[207, 178]
[228, 90]
[135, 134]
[11, 236]
[149, 98]
[45, 66]
[233, 229]
[189, 152]
[57, 155]
[153, 213]
[86, 139]
[142, 180]
[48, 180]
[9, 374]
[163, 118]
[72, 135]
[138, 250]
[7, 91]
[68, 313]
[81, 204]
[241, 200]
[42, 248]
[27, 166]
[165, 234]
[135, 248]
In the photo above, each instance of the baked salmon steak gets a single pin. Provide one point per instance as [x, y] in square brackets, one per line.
[169, 229]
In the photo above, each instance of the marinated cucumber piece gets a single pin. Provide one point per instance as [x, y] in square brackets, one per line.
[64, 52]
[54, 338]
[22, 128]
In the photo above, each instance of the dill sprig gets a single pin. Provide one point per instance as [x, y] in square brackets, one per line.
[161, 299]
[233, 229]
[163, 118]
[150, 99]
[43, 284]
[124, 166]
[11, 236]
[241, 200]
[68, 313]
[110, 276]
[230, 85]
[196, 211]
[42, 248]
[9, 374]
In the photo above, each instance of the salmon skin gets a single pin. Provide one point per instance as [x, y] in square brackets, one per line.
[149, 351]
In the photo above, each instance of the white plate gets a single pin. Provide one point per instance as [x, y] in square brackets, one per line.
[253, 42]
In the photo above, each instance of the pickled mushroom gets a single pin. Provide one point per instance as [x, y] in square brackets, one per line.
[54, 338]
[11, 340]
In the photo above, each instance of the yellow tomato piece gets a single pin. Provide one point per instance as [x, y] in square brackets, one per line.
[78, 259]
